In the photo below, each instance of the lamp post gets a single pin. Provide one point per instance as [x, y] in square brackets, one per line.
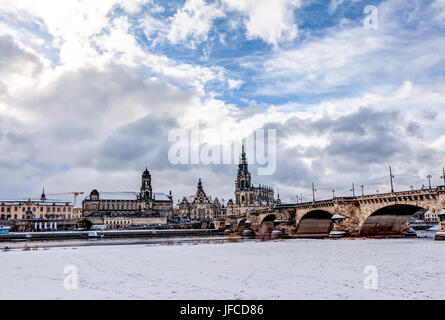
[392, 179]
[313, 192]
[429, 180]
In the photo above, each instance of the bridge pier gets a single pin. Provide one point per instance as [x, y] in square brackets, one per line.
[441, 234]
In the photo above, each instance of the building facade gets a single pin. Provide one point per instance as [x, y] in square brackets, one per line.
[431, 216]
[200, 206]
[121, 204]
[36, 209]
[247, 196]
[117, 222]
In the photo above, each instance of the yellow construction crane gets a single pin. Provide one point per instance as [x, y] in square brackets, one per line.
[65, 193]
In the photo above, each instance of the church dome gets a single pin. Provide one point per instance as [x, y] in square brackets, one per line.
[146, 173]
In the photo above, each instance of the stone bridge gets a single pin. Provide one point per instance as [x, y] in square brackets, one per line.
[371, 215]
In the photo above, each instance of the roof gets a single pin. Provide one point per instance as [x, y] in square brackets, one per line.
[161, 197]
[128, 195]
[39, 202]
[118, 195]
[189, 199]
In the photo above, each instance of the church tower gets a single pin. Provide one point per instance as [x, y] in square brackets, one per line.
[43, 196]
[146, 191]
[243, 183]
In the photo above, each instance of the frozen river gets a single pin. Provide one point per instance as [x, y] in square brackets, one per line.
[293, 269]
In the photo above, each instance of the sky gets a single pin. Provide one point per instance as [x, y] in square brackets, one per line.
[91, 90]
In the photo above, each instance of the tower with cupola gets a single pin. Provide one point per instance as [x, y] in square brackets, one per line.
[146, 190]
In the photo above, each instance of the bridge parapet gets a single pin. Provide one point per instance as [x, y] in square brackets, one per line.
[385, 209]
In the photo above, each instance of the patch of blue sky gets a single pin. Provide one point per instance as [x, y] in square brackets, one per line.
[242, 58]
[33, 28]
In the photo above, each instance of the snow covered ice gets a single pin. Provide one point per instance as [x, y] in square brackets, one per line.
[293, 269]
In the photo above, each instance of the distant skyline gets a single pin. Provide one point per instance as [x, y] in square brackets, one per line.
[89, 91]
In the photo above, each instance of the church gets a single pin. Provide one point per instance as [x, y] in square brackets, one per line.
[118, 204]
[248, 197]
[200, 206]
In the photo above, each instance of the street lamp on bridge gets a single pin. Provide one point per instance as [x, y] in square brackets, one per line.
[313, 192]
[429, 180]
[353, 190]
[392, 179]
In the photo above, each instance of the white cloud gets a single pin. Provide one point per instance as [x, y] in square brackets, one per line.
[354, 58]
[235, 84]
[334, 4]
[271, 21]
[439, 7]
[106, 103]
[192, 22]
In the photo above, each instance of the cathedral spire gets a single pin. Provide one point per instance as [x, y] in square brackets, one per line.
[243, 158]
[43, 196]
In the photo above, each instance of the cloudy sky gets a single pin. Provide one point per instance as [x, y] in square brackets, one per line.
[89, 91]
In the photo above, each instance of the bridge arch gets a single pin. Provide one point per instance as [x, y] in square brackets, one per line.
[266, 227]
[269, 218]
[241, 225]
[315, 223]
[389, 220]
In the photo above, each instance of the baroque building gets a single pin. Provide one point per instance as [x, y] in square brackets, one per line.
[120, 204]
[200, 206]
[36, 209]
[247, 196]
[37, 214]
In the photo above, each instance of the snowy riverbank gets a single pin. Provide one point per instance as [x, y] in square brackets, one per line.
[294, 269]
